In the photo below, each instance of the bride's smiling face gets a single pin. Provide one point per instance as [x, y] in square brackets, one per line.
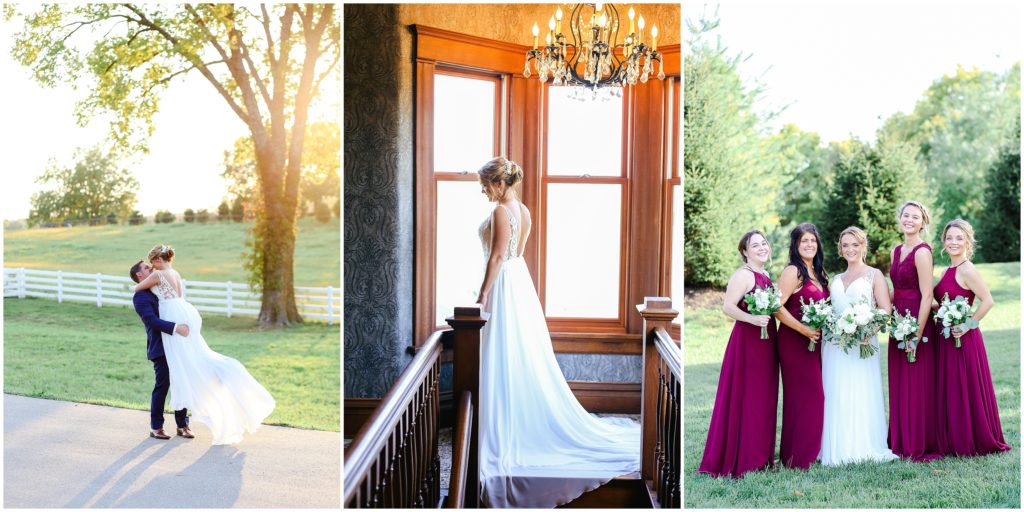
[493, 191]
[758, 250]
[911, 220]
[158, 263]
[851, 249]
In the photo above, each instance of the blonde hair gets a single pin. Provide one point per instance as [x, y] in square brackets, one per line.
[926, 218]
[162, 251]
[968, 230]
[859, 235]
[501, 170]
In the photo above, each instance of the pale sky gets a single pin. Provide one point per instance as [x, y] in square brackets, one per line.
[193, 129]
[845, 66]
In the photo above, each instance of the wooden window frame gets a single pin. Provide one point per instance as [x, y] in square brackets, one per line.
[522, 119]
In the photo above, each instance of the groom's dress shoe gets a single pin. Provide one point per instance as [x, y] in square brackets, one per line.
[186, 433]
[159, 434]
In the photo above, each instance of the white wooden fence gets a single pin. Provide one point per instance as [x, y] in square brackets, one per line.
[230, 298]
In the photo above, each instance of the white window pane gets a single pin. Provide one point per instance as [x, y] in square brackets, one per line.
[463, 123]
[460, 257]
[583, 240]
[677, 250]
[584, 137]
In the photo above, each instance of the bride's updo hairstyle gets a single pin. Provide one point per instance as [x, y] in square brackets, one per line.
[162, 251]
[859, 235]
[926, 218]
[968, 230]
[745, 240]
[501, 170]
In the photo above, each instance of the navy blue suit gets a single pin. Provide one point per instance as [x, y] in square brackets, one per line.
[148, 308]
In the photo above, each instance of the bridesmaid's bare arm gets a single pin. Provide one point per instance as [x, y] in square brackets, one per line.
[972, 278]
[741, 281]
[789, 282]
[892, 292]
[925, 269]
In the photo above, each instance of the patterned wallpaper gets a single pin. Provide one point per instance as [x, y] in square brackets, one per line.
[378, 190]
[512, 23]
[378, 183]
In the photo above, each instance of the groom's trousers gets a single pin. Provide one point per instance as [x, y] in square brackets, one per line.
[156, 407]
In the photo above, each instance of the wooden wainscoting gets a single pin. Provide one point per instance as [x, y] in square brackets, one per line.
[357, 411]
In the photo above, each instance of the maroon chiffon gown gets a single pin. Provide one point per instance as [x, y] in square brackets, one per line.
[742, 433]
[967, 410]
[803, 397]
[912, 422]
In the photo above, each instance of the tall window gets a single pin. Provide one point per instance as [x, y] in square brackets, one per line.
[584, 186]
[466, 135]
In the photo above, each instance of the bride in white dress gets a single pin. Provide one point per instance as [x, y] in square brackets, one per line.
[216, 389]
[539, 447]
[854, 428]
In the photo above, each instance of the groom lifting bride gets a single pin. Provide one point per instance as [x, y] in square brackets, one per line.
[147, 306]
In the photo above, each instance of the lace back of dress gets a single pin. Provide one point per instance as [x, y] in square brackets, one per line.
[164, 290]
[513, 242]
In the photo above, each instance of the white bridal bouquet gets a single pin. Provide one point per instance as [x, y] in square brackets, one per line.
[858, 322]
[763, 301]
[904, 328]
[815, 316]
[953, 313]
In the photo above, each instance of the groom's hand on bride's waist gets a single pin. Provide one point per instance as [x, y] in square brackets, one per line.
[181, 329]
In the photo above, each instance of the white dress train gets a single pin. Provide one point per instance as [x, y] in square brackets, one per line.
[217, 390]
[539, 447]
[854, 428]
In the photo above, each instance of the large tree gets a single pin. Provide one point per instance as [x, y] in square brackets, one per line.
[267, 64]
[90, 191]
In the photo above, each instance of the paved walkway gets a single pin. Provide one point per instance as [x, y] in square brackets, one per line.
[64, 454]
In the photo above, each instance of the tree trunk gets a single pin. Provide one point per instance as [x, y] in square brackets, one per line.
[275, 239]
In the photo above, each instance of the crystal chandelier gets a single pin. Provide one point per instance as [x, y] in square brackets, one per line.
[595, 58]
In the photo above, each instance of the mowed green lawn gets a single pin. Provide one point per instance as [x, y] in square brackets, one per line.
[203, 252]
[979, 482]
[81, 353]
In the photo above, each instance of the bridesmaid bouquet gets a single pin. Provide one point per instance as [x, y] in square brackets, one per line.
[954, 312]
[904, 328]
[763, 301]
[858, 322]
[815, 316]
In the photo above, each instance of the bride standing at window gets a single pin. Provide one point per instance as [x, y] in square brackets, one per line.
[539, 447]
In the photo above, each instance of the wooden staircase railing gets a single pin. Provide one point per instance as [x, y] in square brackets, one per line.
[661, 410]
[393, 460]
[460, 452]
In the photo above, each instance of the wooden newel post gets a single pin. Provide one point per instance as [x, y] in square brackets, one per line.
[656, 312]
[466, 325]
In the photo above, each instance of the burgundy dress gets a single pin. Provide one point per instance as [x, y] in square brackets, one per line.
[803, 398]
[912, 421]
[742, 433]
[967, 410]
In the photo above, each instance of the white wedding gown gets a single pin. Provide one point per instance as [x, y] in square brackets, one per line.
[854, 428]
[217, 390]
[539, 447]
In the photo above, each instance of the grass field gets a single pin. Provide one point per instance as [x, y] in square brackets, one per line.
[82, 353]
[980, 482]
[204, 252]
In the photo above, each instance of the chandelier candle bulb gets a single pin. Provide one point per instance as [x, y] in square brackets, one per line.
[654, 37]
[558, 18]
[632, 14]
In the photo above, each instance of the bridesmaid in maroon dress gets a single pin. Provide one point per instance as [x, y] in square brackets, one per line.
[742, 433]
[803, 398]
[967, 410]
[912, 408]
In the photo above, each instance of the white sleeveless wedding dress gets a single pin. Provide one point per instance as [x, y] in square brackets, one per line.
[217, 390]
[539, 447]
[854, 428]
